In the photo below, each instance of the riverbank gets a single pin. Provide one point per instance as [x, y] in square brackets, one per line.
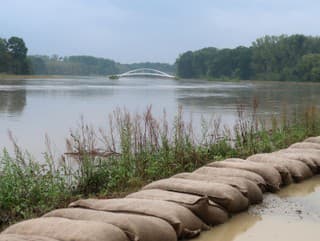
[138, 149]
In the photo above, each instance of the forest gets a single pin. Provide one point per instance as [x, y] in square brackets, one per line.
[279, 58]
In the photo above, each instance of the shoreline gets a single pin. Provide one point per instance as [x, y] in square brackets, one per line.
[4, 77]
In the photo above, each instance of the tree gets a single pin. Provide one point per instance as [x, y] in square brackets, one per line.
[184, 65]
[37, 65]
[18, 52]
[309, 68]
[4, 55]
[17, 48]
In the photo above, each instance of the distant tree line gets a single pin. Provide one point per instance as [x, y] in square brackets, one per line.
[73, 65]
[13, 56]
[295, 57]
[14, 60]
[87, 65]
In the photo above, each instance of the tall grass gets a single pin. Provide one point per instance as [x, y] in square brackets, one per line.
[29, 188]
[138, 148]
[135, 149]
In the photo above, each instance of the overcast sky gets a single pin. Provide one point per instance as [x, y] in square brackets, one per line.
[150, 30]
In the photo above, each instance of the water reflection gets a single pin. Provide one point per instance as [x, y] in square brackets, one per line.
[12, 102]
[236, 226]
[72, 87]
[273, 97]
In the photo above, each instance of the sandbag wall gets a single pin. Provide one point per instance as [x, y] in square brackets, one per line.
[179, 207]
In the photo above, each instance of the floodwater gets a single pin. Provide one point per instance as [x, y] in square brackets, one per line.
[293, 214]
[35, 107]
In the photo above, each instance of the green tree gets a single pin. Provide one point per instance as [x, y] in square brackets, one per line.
[37, 65]
[309, 68]
[269, 58]
[4, 55]
[18, 52]
[185, 66]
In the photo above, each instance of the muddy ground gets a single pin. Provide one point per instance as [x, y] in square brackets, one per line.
[291, 214]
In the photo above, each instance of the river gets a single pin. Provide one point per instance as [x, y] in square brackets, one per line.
[35, 107]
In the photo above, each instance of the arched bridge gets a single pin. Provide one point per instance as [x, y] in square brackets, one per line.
[145, 72]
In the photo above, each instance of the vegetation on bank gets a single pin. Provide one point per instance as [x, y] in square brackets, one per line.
[278, 58]
[14, 60]
[134, 150]
[86, 65]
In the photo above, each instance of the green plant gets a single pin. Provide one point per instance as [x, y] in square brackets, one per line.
[134, 150]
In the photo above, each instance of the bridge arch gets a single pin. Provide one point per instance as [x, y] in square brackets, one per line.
[146, 72]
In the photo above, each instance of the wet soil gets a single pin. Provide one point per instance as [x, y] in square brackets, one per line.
[291, 214]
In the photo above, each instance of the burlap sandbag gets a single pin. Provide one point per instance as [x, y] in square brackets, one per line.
[210, 212]
[269, 174]
[132, 224]
[305, 145]
[315, 139]
[226, 196]
[16, 237]
[184, 222]
[247, 188]
[286, 177]
[308, 156]
[68, 230]
[299, 171]
[314, 153]
[232, 172]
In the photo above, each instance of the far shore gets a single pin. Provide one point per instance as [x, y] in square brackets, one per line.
[19, 77]
[4, 76]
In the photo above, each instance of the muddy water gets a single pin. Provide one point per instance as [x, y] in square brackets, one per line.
[292, 214]
[35, 107]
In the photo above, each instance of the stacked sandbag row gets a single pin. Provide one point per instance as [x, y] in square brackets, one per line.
[179, 207]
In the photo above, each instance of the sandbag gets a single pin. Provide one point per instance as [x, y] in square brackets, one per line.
[226, 196]
[210, 212]
[299, 171]
[308, 156]
[315, 139]
[269, 174]
[247, 188]
[68, 230]
[314, 154]
[132, 224]
[16, 237]
[305, 145]
[232, 172]
[184, 222]
[286, 177]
